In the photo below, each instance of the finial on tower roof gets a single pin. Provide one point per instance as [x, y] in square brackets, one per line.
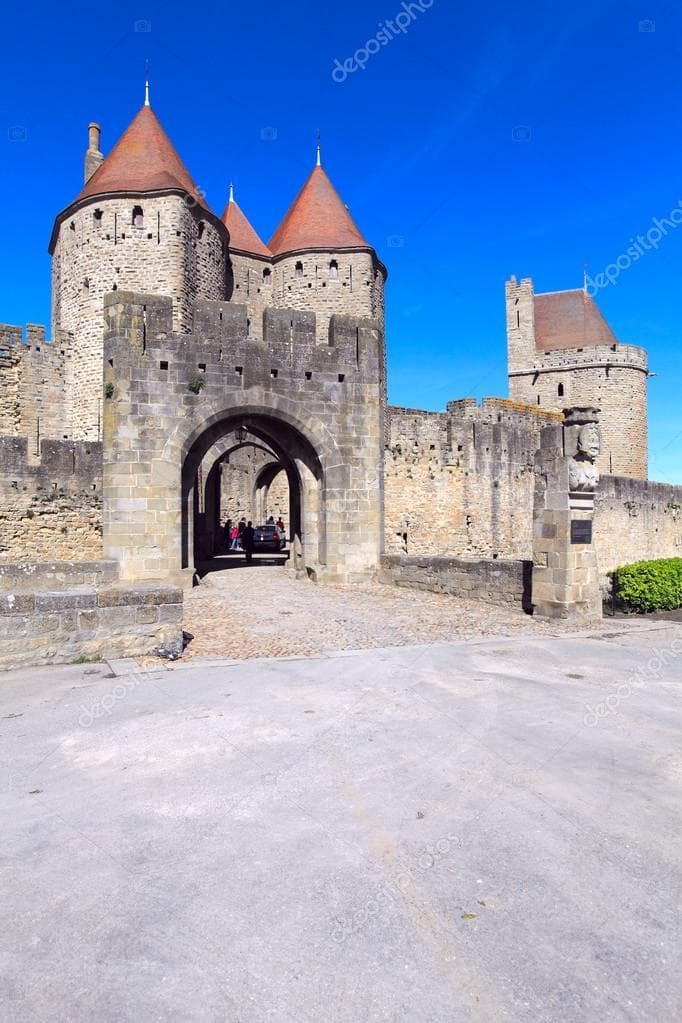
[319, 149]
[146, 92]
[231, 199]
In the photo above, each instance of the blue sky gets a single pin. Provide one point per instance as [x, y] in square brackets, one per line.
[485, 140]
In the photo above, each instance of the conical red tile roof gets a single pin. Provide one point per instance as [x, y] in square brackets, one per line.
[143, 160]
[243, 237]
[317, 219]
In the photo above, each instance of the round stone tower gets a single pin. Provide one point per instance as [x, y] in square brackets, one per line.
[139, 224]
[321, 262]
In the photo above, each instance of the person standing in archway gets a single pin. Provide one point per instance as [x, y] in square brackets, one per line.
[247, 541]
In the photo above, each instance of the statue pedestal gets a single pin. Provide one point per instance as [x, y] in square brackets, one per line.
[565, 570]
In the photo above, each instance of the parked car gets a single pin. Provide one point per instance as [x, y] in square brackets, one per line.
[268, 538]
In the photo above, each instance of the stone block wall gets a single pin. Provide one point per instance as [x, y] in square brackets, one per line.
[32, 386]
[461, 482]
[50, 507]
[505, 583]
[10, 379]
[636, 520]
[330, 284]
[60, 612]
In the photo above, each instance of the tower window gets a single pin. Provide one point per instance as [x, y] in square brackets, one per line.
[138, 216]
[560, 390]
[299, 269]
[97, 218]
[267, 277]
[202, 227]
[334, 270]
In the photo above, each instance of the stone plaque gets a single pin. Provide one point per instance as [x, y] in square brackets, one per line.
[581, 531]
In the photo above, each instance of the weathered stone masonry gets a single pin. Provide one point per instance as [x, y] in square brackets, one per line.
[319, 407]
[106, 244]
[561, 353]
[50, 508]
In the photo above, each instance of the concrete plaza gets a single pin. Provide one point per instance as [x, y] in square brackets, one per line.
[477, 831]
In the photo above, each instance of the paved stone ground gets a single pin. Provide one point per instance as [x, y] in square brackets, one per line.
[477, 832]
[264, 611]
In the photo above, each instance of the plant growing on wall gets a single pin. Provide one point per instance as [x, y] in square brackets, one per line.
[196, 385]
[109, 390]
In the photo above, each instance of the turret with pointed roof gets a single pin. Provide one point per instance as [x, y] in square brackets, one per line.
[243, 237]
[318, 220]
[139, 224]
[321, 259]
[248, 268]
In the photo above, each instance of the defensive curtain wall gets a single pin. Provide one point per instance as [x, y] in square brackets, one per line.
[457, 483]
[96, 538]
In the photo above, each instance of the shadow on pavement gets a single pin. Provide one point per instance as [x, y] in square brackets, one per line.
[237, 559]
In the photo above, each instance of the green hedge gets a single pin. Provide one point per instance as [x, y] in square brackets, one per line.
[649, 585]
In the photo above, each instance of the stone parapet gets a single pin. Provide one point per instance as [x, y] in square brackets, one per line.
[31, 576]
[493, 582]
[104, 620]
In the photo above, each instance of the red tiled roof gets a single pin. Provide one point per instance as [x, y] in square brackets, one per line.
[569, 319]
[143, 160]
[242, 235]
[317, 219]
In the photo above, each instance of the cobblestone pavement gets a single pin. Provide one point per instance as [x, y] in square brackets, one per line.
[263, 611]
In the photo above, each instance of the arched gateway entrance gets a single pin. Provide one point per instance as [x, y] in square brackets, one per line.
[286, 450]
[176, 405]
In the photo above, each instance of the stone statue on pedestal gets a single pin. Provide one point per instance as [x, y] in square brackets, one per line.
[583, 475]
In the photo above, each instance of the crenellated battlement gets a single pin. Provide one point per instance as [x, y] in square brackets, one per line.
[220, 353]
[58, 463]
[33, 379]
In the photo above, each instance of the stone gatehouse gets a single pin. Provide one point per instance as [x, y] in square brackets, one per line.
[196, 373]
